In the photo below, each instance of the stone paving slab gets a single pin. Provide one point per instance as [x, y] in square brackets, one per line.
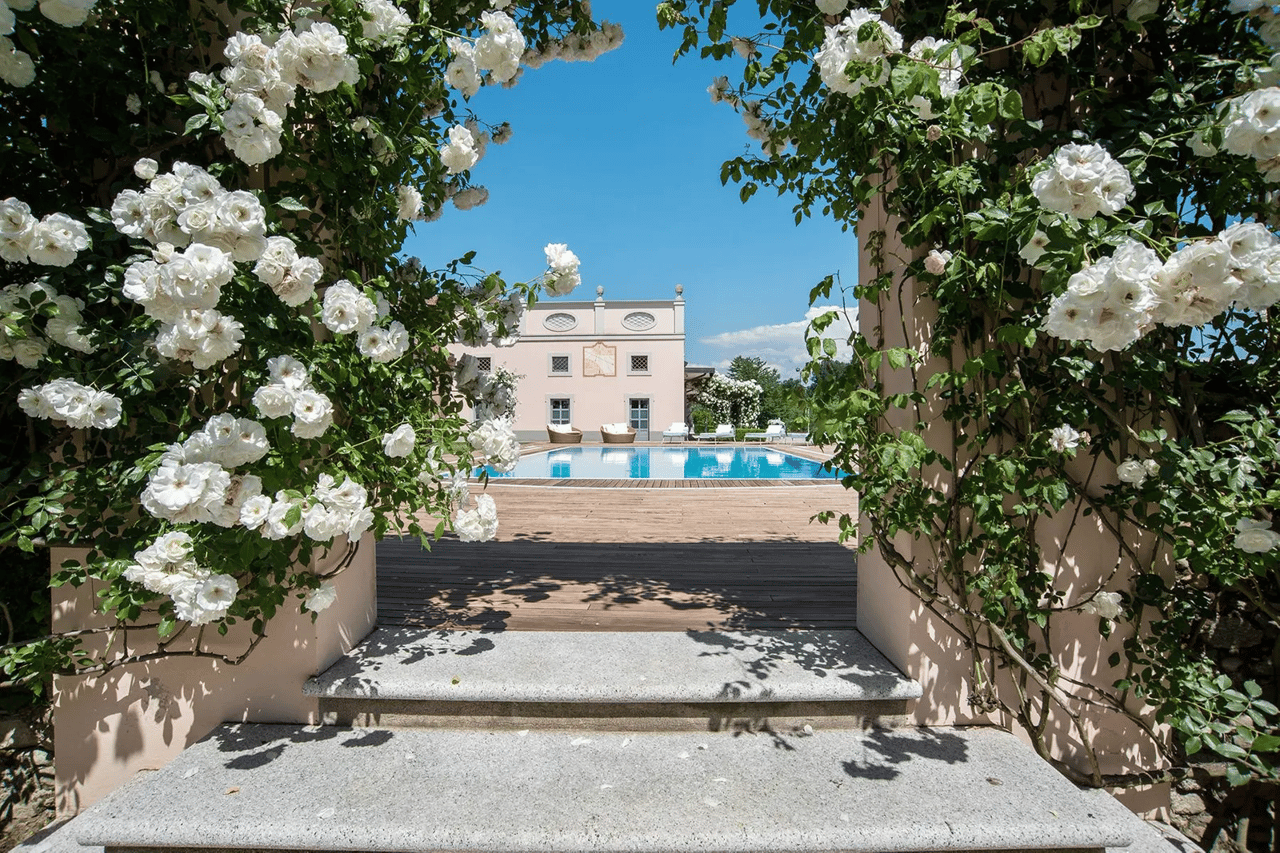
[629, 667]
[330, 788]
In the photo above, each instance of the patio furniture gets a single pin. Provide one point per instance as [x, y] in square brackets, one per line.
[618, 434]
[775, 431]
[798, 438]
[724, 432]
[676, 432]
[563, 434]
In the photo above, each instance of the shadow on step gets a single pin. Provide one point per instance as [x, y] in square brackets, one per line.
[615, 586]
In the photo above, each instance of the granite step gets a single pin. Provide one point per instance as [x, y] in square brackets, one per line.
[636, 681]
[255, 786]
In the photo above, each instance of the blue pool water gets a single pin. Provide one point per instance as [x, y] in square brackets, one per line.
[665, 463]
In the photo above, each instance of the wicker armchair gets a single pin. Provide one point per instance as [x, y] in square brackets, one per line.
[618, 434]
[565, 434]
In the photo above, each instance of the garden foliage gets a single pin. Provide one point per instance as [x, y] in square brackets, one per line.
[1066, 214]
[215, 360]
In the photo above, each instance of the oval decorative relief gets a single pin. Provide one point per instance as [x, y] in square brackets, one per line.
[638, 321]
[560, 322]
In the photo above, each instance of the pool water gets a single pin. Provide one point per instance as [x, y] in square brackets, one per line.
[665, 463]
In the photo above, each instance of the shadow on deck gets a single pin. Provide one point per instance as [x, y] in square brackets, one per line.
[539, 585]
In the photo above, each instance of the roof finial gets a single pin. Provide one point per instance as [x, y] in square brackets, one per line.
[599, 291]
[679, 289]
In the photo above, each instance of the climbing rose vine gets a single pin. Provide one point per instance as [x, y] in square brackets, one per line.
[1068, 220]
[217, 360]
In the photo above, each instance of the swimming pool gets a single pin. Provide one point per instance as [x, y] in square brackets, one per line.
[665, 463]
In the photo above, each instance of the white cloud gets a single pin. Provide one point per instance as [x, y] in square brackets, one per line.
[782, 345]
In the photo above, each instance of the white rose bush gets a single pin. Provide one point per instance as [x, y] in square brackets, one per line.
[217, 362]
[1085, 195]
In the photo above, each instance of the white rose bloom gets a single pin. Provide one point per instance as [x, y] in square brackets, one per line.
[497, 444]
[1253, 123]
[1260, 282]
[129, 214]
[841, 45]
[1195, 284]
[1132, 471]
[930, 50]
[499, 50]
[1082, 181]
[276, 259]
[16, 227]
[470, 197]
[459, 153]
[564, 274]
[479, 524]
[346, 309]
[173, 547]
[321, 598]
[253, 512]
[299, 284]
[359, 522]
[35, 404]
[186, 493]
[313, 414]
[71, 401]
[28, 352]
[1255, 537]
[274, 401]
[385, 24]
[203, 338]
[217, 593]
[242, 488]
[146, 168]
[16, 67]
[105, 410]
[1034, 248]
[1063, 438]
[56, 240]
[289, 372]
[1106, 605]
[462, 73]
[348, 498]
[321, 524]
[276, 527]
[68, 13]
[399, 442]
[315, 57]
[383, 345]
[409, 202]
[936, 262]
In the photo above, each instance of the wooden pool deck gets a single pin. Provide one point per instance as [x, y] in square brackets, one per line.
[581, 557]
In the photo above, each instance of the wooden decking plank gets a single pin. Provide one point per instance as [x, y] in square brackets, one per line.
[635, 558]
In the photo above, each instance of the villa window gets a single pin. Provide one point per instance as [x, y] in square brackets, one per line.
[639, 364]
[560, 411]
[559, 365]
[484, 363]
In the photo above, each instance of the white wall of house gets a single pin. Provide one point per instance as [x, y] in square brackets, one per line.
[594, 363]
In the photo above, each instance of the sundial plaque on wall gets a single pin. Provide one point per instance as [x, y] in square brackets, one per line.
[599, 359]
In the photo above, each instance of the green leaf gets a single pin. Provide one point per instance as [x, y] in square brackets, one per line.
[195, 123]
[291, 203]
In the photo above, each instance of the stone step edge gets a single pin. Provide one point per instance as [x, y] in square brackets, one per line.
[322, 788]
[695, 667]
[714, 717]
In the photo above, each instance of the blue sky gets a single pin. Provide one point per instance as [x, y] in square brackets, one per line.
[620, 159]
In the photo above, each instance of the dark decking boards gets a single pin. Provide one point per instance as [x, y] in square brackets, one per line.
[632, 559]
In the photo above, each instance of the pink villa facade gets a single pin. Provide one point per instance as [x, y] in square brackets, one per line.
[587, 364]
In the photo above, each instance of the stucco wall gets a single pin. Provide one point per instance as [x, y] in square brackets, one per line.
[138, 717]
[1079, 552]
